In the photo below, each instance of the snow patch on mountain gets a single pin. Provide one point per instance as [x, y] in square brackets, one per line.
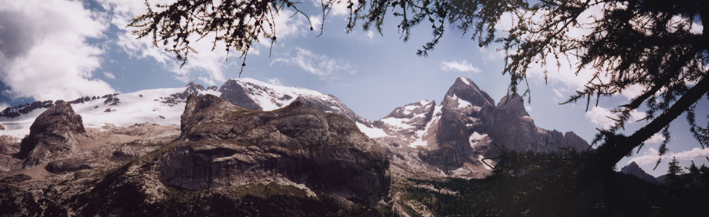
[271, 97]
[20, 126]
[137, 107]
[399, 123]
[161, 106]
[477, 140]
[372, 132]
[465, 80]
[481, 158]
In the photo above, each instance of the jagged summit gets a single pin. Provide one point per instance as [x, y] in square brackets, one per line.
[633, 169]
[513, 103]
[253, 94]
[466, 90]
[456, 134]
[451, 136]
[52, 135]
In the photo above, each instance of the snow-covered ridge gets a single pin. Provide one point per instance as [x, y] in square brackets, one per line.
[165, 106]
[162, 106]
[271, 97]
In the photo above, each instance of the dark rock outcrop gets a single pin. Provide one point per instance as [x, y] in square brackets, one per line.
[332, 104]
[465, 109]
[52, 135]
[226, 145]
[238, 95]
[69, 165]
[12, 112]
[635, 170]
[17, 202]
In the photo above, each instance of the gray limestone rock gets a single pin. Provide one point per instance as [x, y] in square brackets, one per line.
[226, 145]
[52, 135]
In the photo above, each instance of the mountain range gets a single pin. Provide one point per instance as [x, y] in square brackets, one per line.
[450, 138]
[251, 136]
[447, 139]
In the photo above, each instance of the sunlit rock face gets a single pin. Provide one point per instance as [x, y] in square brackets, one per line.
[227, 145]
[53, 135]
[465, 128]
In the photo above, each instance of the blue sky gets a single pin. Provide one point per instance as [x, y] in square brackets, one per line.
[64, 49]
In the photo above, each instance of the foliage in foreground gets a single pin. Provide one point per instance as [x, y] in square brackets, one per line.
[531, 184]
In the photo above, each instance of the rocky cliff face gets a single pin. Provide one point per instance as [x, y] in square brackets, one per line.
[227, 160]
[635, 170]
[407, 120]
[457, 134]
[226, 145]
[53, 135]
[256, 95]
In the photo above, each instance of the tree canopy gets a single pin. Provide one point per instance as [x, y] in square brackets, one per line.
[655, 45]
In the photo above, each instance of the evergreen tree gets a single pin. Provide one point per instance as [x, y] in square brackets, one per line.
[693, 169]
[674, 170]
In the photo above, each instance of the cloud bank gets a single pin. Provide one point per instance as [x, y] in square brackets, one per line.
[44, 53]
[651, 155]
[323, 66]
[462, 66]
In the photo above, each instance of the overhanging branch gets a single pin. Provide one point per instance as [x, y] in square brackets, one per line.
[615, 149]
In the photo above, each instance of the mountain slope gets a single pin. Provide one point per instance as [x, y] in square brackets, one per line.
[423, 137]
[635, 170]
[457, 134]
[162, 106]
[257, 95]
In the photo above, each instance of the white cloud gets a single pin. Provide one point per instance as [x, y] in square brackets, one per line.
[274, 81]
[633, 91]
[655, 139]
[463, 66]
[648, 157]
[43, 49]
[370, 34]
[651, 155]
[206, 64]
[339, 7]
[109, 75]
[321, 65]
[599, 117]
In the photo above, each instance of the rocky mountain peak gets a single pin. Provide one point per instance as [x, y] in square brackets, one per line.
[52, 135]
[513, 103]
[257, 95]
[635, 170]
[411, 110]
[407, 120]
[226, 145]
[234, 92]
[190, 89]
[200, 108]
[465, 93]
